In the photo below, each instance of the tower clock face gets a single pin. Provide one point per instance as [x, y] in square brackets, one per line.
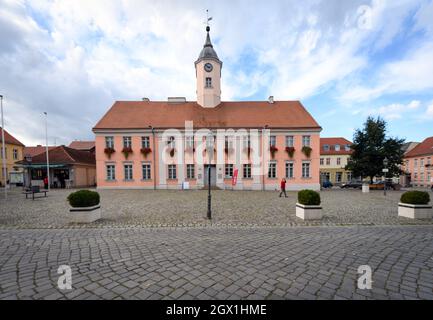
[208, 67]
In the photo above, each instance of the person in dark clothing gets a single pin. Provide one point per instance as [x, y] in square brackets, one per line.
[46, 183]
[283, 188]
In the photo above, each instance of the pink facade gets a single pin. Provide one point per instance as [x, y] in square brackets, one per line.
[236, 156]
[420, 170]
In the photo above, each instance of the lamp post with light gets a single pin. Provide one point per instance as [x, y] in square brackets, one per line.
[385, 170]
[46, 149]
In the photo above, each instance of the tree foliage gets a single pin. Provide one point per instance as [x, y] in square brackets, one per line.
[369, 149]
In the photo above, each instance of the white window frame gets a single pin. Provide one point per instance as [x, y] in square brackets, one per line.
[145, 142]
[272, 141]
[127, 142]
[272, 170]
[128, 172]
[326, 147]
[190, 171]
[228, 170]
[172, 171]
[306, 141]
[290, 169]
[290, 141]
[208, 82]
[306, 168]
[146, 171]
[109, 142]
[110, 172]
[337, 147]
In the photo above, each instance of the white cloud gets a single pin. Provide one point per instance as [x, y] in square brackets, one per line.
[394, 110]
[74, 58]
[429, 111]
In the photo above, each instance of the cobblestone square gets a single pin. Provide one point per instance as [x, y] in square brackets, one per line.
[164, 208]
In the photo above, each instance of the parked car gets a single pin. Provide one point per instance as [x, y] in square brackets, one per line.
[379, 185]
[327, 184]
[352, 184]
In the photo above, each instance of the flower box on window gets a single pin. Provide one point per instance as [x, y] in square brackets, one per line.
[145, 151]
[290, 151]
[273, 149]
[307, 151]
[109, 152]
[126, 151]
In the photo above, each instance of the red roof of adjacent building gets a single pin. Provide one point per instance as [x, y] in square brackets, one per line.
[33, 151]
[64, 155]
[422, 149]
[82, 145]
[243, 114]
[331, 142]
[9, 139]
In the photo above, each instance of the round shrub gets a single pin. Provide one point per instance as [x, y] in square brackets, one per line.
[415, 197]
[83, 198]
[309, 198]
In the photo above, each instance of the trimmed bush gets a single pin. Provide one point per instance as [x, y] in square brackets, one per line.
[309, 198]
[415, 197]
[83, 198]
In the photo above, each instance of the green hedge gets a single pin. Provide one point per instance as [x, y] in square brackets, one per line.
[415, 197]
[309, 198]
[83, 198]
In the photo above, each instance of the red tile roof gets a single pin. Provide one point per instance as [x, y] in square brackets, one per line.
[64, 155]
[82, 145]
[33, 151]
[331, 142]
[422, 149]
[243, 114]
[9, 138]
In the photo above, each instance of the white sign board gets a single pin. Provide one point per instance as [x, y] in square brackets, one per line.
[385, 170]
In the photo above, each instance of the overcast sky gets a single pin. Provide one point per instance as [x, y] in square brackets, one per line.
[343, 59]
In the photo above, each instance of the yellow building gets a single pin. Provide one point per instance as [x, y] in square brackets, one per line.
[14, 152]
[334, 154]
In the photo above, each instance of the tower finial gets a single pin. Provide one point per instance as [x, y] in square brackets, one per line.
[207, 20]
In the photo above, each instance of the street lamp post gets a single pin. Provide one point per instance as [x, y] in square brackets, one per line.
[210, 152]
[46, 149]
[385, 169]
[3, 149]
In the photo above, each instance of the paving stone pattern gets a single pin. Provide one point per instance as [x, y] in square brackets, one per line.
[218, 263]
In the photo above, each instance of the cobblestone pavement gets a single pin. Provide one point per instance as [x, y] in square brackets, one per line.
[218, 263]
[162, 208]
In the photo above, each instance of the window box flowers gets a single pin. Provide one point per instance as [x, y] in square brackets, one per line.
[145, 151]
[273, 149]
[109, 152]
[290, 151]
[126, 151]
[307, 151]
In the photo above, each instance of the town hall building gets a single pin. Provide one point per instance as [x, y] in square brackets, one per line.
[180, 144]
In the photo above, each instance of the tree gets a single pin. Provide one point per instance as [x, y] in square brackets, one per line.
[369, 149]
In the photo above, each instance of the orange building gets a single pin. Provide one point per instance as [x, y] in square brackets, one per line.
[178, 144]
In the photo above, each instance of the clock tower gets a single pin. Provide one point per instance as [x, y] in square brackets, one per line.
[208, 72]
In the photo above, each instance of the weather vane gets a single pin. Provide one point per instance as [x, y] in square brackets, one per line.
[207, 19]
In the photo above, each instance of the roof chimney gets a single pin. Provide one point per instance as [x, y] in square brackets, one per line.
[176, 99]
[271, 99]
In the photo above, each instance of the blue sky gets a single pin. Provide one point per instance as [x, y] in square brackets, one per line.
[345, 60]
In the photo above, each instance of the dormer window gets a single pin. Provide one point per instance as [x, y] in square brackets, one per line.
[208, 82]
[326, 147]
[337, 147]
[347, 147]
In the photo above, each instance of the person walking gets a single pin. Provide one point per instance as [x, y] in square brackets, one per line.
[283, 187]
[46, 183]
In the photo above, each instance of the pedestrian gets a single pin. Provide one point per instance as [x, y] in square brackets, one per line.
[283, 187]
[46, 183]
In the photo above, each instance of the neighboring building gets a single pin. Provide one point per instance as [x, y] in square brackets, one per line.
[14, 153]
[68, 168]
[33, 151]
[146, 156]
[404, 178]
[418, 164]
[83, 145]
[334, 154]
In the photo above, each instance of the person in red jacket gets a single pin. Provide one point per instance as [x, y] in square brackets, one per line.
[46, 183]
[283, 188]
